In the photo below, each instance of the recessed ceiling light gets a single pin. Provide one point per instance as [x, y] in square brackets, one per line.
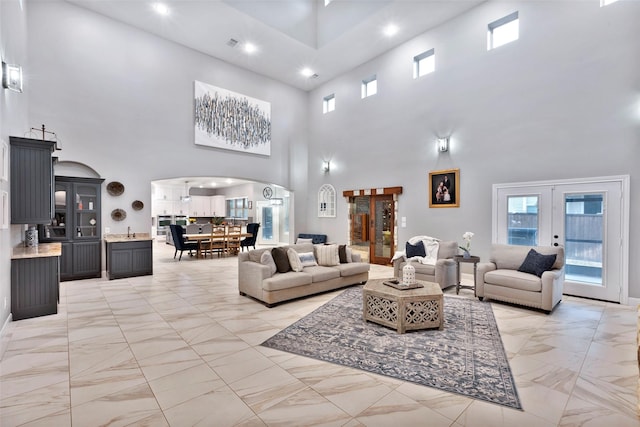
[390, 30]
[229, 181]
[213, 184]
[161, 8]
[307, 72]
[250, 47]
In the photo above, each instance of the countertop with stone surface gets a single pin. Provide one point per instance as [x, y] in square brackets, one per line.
[41, 251]
[117, 238]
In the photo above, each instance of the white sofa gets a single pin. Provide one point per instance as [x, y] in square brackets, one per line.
[256, 280]
[499, 279]
[444, 273]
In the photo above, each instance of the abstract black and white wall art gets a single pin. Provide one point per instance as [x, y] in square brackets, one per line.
[232, 121]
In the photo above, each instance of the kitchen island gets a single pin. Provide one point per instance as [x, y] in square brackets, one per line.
[35, 280]
[129, 255]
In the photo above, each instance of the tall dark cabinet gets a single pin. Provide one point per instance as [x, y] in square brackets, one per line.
[31, 180]
[77, 225]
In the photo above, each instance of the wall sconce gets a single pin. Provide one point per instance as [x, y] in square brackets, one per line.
[326, 166]
[443, 144]
[12, 77]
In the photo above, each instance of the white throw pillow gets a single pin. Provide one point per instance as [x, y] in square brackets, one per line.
[267, 259]
[327, 255]
[349, 254]
[294, 260]
[307, 259]
[303, 240]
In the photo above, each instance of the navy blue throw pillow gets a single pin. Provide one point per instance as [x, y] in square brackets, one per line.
[536, 263]
[415, 250]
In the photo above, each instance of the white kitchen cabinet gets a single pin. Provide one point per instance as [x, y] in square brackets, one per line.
[218, 207]
[199, 206]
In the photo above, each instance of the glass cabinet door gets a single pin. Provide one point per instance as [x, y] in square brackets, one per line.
[59, 228]
[85, 199]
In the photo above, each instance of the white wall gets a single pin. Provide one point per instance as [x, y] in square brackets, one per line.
[13, 121]
[561, 102]
[121, 102]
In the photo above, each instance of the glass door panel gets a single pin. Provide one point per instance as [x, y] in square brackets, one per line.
[359, 207]
[583, 236]
[86, 210]
[267, 217]
[382, 222]
[522, 220]
[59, 224]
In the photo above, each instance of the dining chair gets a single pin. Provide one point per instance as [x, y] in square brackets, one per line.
[177, 232]
[233, 239]
[252, 228]
[216, 242]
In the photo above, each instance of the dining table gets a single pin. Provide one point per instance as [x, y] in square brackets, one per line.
[200, 237]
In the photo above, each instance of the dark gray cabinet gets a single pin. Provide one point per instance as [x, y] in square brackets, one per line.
[77, 225]
[128, 259]
[34, 287]
[31, 181]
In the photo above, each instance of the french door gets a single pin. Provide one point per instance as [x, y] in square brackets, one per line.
[267, 215]
[372, 226]
[588, 217]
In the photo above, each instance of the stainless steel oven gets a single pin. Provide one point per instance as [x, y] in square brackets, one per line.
[163, 225]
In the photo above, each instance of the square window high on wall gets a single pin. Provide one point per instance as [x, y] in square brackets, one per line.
[369, 86]
[503, 31]
[424, 63]
[328, 103]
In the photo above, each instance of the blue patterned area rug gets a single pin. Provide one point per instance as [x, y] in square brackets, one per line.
[466, 357]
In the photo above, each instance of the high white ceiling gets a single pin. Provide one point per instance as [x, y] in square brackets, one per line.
[289, 34]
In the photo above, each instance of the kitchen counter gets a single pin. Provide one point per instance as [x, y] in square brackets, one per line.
[129, 256]
[35, 280]
[43, 250]
[140, 237]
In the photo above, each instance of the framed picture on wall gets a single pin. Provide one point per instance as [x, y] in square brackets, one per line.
[444, 188]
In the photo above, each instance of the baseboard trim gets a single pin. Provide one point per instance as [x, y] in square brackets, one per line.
[4, 332]
[633, 301]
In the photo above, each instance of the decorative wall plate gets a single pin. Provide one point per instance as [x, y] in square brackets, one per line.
[137, 205]
[118, 214]
[267, 192]
[115, 188]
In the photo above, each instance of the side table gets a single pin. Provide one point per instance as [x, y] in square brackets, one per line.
[475, 260]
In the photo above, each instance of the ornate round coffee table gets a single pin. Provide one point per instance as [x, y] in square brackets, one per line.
[403, 309]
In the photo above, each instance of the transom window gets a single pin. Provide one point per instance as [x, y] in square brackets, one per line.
[424, 63]
[503, 31]
[329, 103]
[369, 86]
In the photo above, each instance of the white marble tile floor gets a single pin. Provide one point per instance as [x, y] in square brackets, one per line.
[182, 348]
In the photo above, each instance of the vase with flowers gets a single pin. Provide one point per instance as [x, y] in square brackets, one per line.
[467, 245]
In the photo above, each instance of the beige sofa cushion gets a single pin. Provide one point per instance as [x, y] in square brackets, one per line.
[287, 280]
[321, 273]
[352, 268]
[424, 268]
[514, 279]
[511, 257]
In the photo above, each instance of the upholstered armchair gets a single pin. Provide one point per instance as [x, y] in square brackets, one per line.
[251, 240]
[177, 233]
[444, 272]
[506, 277]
